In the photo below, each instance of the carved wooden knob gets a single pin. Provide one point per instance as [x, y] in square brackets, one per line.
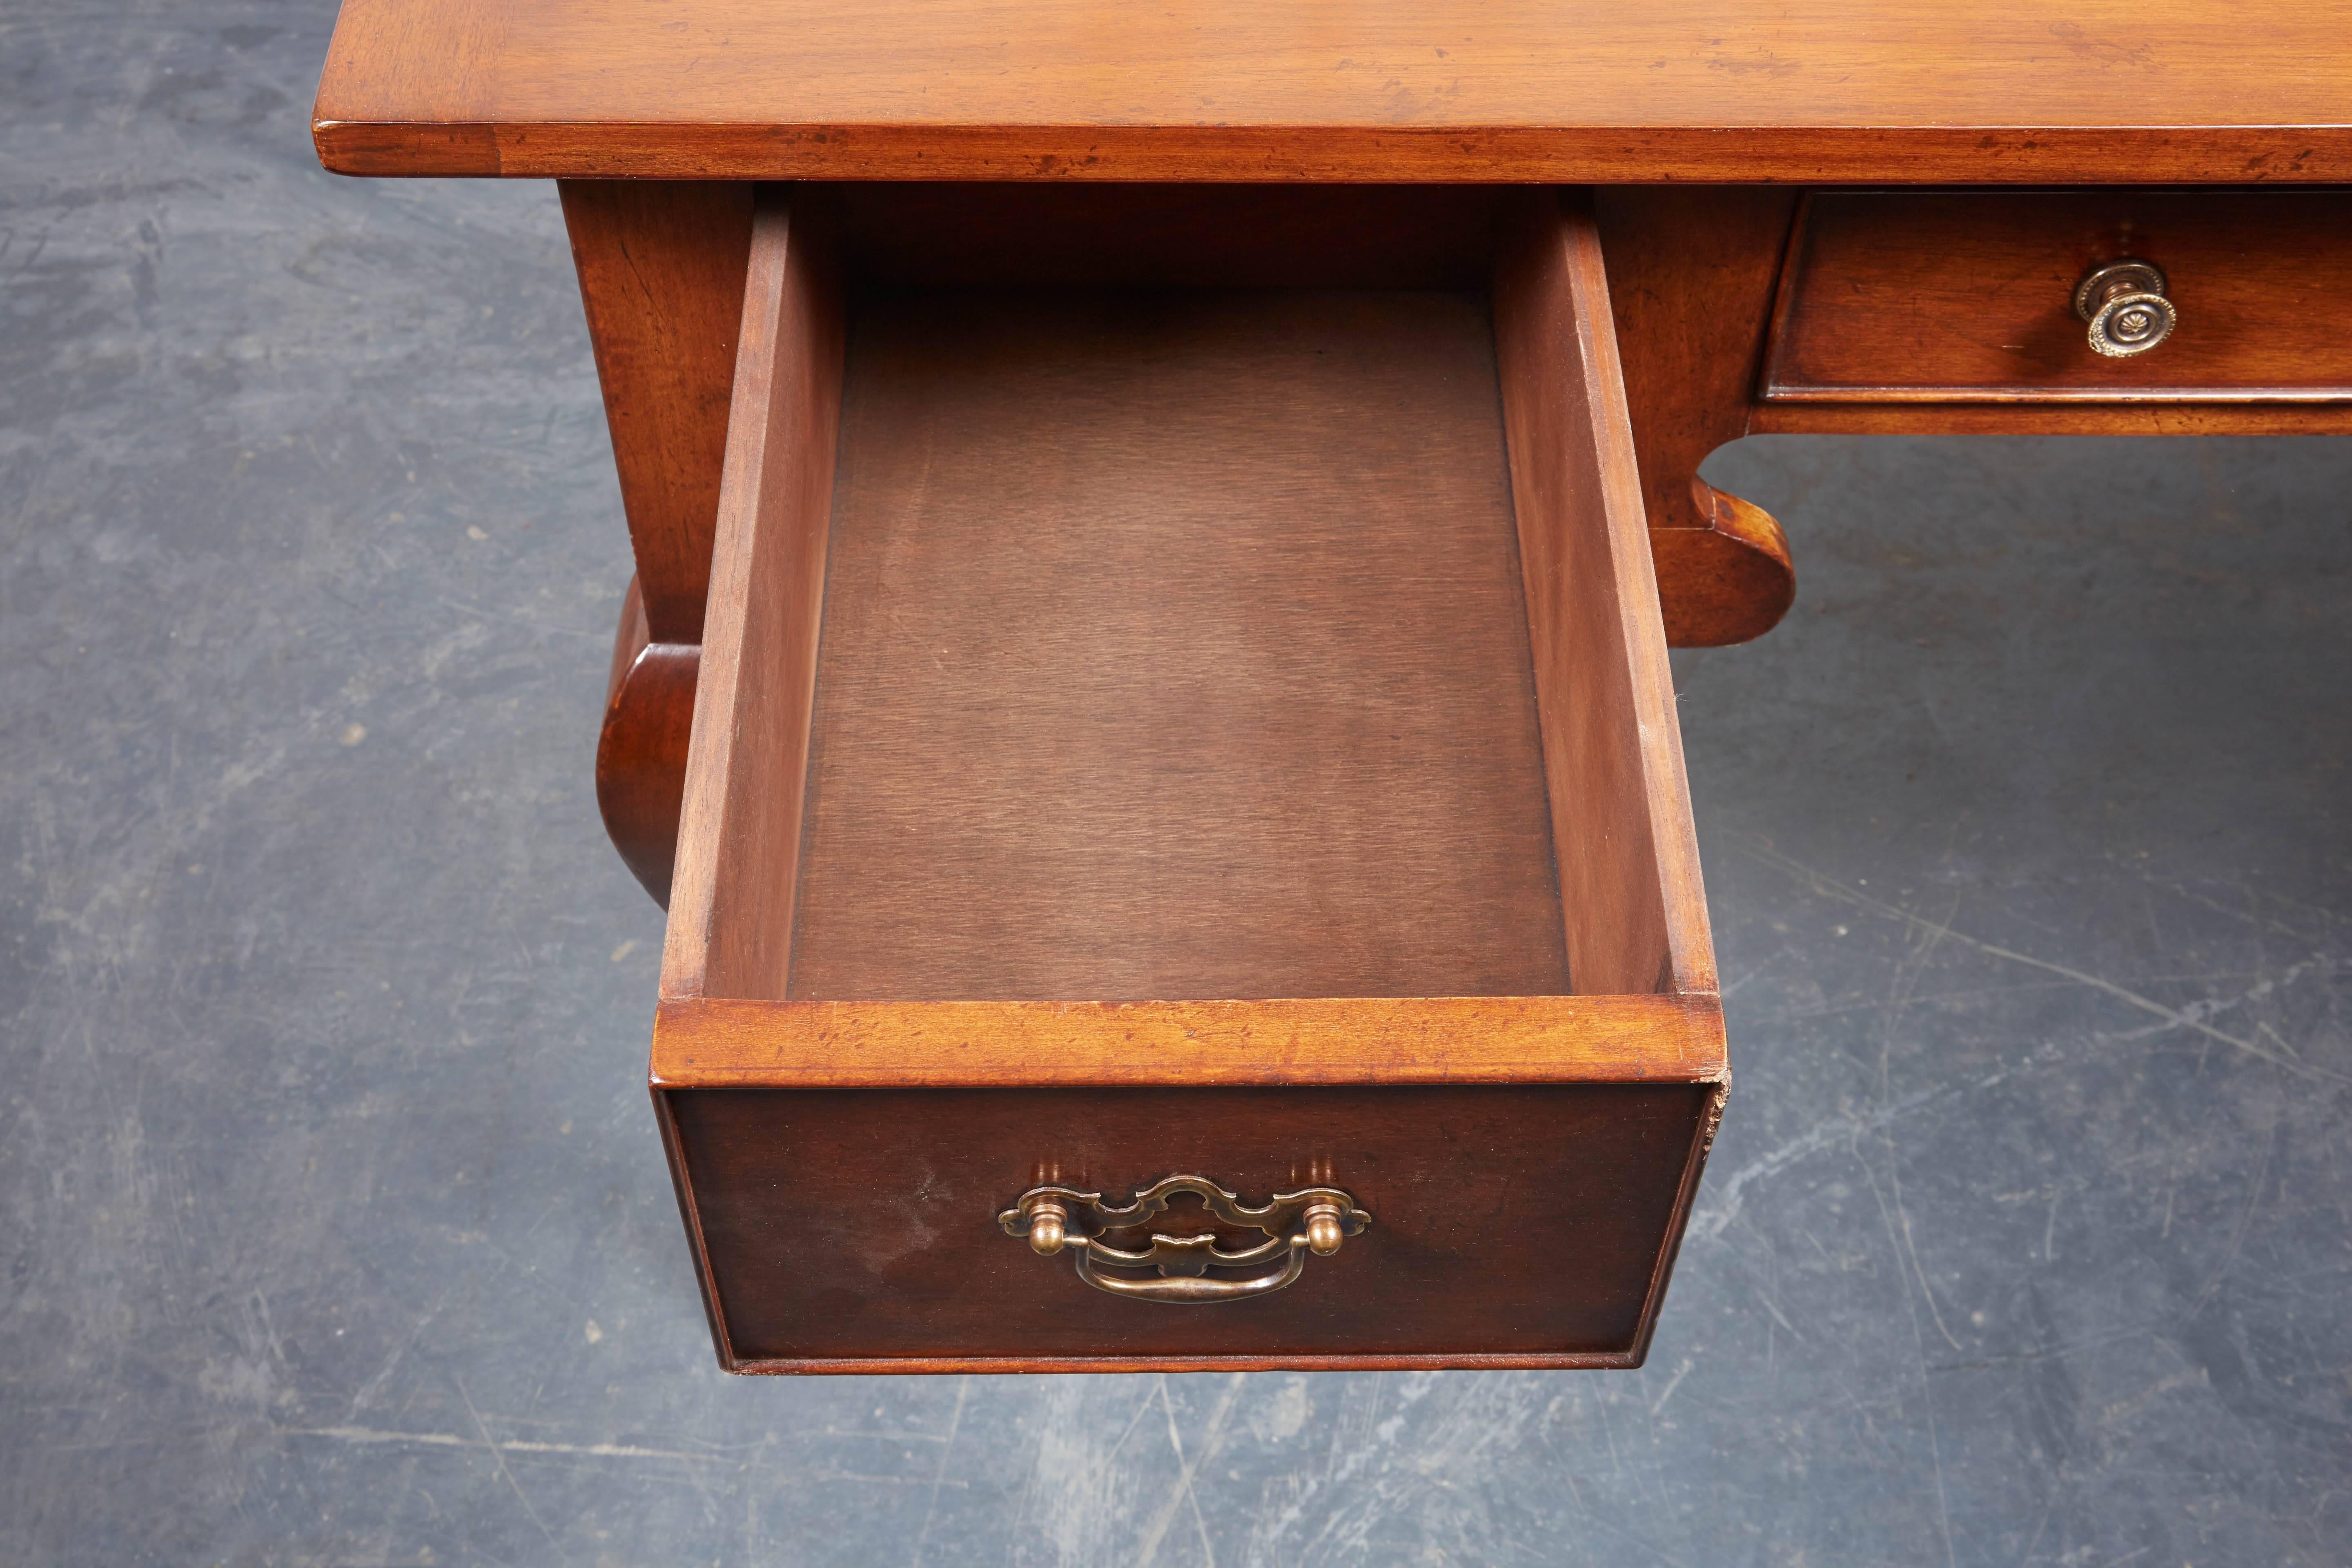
[2125, 304]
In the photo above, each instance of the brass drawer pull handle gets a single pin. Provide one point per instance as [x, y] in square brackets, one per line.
[1313, 1219]
[2125, 303]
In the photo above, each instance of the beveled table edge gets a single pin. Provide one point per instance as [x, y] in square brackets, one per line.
[1392, 154]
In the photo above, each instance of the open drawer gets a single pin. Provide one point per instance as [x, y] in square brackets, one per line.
[1218, 734]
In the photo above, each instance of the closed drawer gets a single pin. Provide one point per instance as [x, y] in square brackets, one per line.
[1219, 734]
[1969, 297]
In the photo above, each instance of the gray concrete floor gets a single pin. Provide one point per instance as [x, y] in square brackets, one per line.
[335, 1228]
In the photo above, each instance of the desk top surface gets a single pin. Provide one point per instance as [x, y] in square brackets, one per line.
[1814, 90]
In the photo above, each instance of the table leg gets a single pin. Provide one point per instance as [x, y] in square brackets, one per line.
[661, 273]
[641, 752]
[662, 264]
[1691, 274]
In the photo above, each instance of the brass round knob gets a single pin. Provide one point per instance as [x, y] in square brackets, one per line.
[2124, 301]
[1323, 1230]
[1045, 1232]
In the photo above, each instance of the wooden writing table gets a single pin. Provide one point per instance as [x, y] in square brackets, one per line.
[1157, 530]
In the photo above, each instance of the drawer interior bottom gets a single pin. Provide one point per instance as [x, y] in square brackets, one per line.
[1174, 646]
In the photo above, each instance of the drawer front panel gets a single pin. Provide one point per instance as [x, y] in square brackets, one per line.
[1969, 297]
[1521, 1219]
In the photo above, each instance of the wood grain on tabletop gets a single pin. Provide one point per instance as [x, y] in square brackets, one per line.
[1951, 296]
[1628, 857]
[825, 1240]
[1831, 91]
[758, 666]
[1174, 646]
[713, 1043]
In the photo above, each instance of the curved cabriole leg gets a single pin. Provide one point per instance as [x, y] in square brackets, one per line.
[662, 264]
[1728, 581]
[1691, 273]
[641, 752]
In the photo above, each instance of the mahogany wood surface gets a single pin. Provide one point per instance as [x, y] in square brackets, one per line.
[1629, 873]
[1172, 648]
[1691, 273]
[714, 1043]
[661, 275]
[758, 667]
[2063, 418]
[1517, 91]
[1967, 296]
[641, 750]
[1033, 235]
[690, 1215]
[1732, 581]
[1529, 1219]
